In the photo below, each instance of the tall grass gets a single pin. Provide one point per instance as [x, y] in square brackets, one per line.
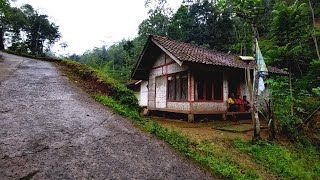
[292, 162]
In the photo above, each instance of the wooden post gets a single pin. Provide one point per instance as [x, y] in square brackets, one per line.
[255, 112]
[291, 91]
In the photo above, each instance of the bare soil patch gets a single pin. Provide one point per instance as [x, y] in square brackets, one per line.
[217, 130]
[220, 134]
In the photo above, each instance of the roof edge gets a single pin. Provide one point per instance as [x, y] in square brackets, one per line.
[141, 55]
[167, 52]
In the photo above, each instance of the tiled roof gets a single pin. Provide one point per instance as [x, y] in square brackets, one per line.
[186, 52]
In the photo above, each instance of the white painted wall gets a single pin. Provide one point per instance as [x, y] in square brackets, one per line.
[137, 94]
[143, 95]
[157, 89]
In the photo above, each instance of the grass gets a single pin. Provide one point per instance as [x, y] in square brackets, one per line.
[219, 163]
[291, 162]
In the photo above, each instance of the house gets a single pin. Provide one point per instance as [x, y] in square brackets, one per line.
[140, 89]
[182, 78]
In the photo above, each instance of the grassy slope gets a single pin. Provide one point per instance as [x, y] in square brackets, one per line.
[287, 162]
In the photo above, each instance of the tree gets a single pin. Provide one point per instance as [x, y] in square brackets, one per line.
[291, 36]
[4, 20]
[314, 33]
[41, 33]
[180, 24]
[158, 20]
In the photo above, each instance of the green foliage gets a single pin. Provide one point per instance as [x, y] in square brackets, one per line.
[180, 24]
[25, 21]
[282, 101]
[41, 33]
[117, 60]
[316, 91]
[114, 89]
[158, 20]
[220, 163]
[290, 33]
[121, 109]
[296, 162]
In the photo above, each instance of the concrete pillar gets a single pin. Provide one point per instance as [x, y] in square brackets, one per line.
[224, 116]
[164, 114]
[190, 117]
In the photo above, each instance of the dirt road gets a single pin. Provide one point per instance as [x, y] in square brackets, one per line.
[50, 129]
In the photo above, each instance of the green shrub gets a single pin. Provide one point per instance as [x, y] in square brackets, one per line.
[298, 162]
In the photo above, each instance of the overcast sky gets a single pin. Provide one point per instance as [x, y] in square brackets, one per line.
[87, 24]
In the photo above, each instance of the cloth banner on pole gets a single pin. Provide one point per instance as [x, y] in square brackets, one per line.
[261, 86]
[261, 65]
[261, 68]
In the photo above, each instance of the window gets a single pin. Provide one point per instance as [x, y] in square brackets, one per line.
[178, 86]
[209, 87]
[171, 87]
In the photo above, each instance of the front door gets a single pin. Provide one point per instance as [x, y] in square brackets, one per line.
[161, 92]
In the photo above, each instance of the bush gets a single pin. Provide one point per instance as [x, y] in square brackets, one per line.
[297, 162]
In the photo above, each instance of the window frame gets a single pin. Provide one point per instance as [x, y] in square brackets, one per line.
[213, 81]
[175, 86]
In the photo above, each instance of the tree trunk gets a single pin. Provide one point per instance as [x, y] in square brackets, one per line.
[291, 91]
[313, 29]
[272, 124]
[1, 39]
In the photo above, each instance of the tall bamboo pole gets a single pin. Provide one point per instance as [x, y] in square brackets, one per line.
[255, 113]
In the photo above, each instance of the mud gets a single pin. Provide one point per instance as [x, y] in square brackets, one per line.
[50, 129]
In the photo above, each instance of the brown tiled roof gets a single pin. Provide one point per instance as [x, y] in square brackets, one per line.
[186, 52]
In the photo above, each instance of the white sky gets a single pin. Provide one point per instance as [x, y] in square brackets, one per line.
[87, 24]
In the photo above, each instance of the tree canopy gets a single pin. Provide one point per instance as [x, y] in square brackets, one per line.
[26, 30]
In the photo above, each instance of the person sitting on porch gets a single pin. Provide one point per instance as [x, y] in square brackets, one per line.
[231, 103]
[239, 104]
[246, 103]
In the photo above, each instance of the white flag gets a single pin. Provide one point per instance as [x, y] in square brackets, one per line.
[261, 86]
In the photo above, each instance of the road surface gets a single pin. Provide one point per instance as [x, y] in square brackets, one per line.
[50, 129]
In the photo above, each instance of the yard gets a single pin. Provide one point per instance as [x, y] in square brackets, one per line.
[230, 140]
[213, 130]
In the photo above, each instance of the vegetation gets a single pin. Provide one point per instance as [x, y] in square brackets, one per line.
[300, 161]
[24, 30]
[288, 39]
[218, 162]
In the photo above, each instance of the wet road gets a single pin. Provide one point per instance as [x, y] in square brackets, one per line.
[50, 129]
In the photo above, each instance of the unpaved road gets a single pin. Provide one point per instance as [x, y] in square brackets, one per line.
[50, 129]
